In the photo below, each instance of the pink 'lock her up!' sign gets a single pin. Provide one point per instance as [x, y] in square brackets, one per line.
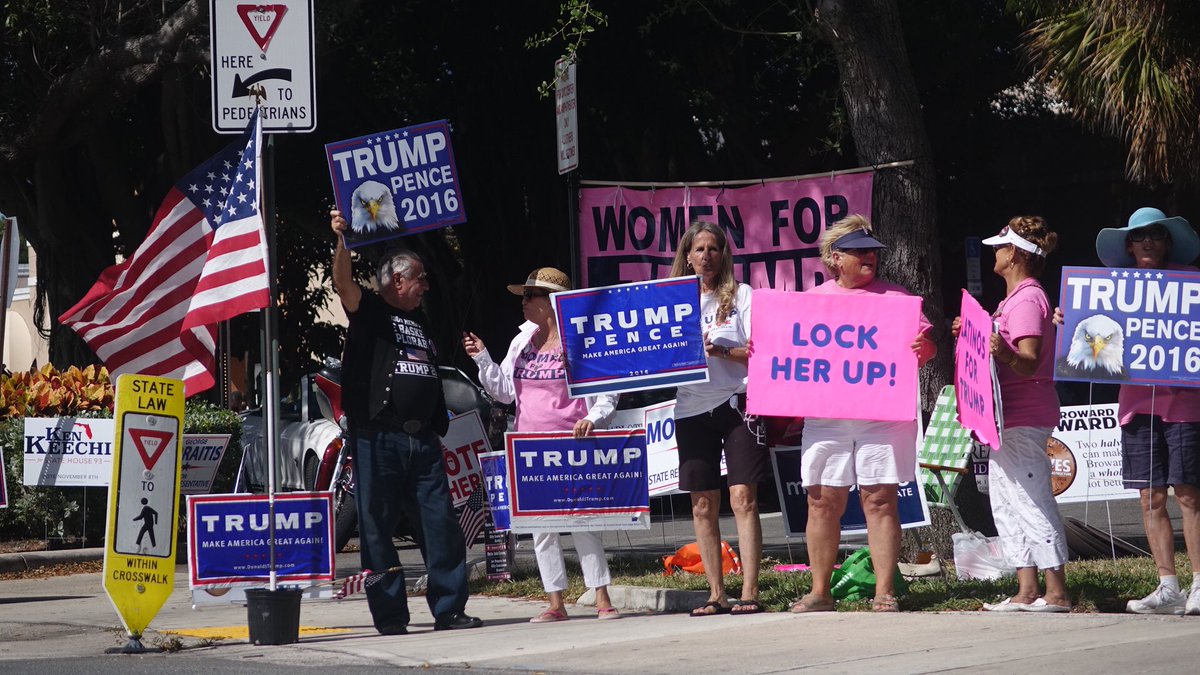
[973, 373]
[833, 356]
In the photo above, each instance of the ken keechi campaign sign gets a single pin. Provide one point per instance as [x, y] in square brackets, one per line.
[229, 542]
[395, 183]
[557, 482]
[1128, 325]
[632, 336]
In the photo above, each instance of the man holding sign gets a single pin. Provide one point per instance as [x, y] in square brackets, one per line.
[840, 453]
[1023, 506]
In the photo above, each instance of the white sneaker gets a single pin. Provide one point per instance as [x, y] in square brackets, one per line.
[1163, 600]
[1193, 602]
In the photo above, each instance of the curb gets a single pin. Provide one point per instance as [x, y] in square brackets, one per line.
[20, 562]
[648, 598]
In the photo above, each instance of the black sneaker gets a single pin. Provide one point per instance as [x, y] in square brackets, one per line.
[456, 621]
[394, 629]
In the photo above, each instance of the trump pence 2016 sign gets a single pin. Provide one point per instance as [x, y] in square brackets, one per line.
[558, 483]
[632, 337]
[819, 355]
[1128, 325]
[396, 183]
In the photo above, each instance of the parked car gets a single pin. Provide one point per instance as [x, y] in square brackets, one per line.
[313, 456]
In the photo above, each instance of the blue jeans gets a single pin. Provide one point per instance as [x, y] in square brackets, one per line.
[402, 474]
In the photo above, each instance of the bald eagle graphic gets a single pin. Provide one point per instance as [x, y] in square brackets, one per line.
[1097, 351]
[372, 208]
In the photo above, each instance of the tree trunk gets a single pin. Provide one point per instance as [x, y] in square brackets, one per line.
[881, 102]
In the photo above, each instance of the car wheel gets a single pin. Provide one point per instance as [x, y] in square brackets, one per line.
[310, 471]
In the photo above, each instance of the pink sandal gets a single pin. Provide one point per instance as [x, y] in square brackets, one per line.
[607, 613]
[549, 616]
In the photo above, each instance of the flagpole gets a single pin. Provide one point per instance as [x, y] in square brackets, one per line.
[271, 349]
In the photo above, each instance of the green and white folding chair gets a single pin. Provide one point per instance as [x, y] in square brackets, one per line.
[946, 449]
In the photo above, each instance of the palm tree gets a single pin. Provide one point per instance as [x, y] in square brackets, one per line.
[1129, 68]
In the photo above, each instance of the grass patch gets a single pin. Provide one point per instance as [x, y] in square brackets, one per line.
[1094, 585]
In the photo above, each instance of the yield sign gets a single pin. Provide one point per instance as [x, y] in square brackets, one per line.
[158, 441]
[262, 21]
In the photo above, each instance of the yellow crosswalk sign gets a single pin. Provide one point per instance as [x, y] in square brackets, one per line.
[143, 498]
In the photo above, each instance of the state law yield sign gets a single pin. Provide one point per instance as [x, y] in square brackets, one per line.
[262, 55]
[139, 556]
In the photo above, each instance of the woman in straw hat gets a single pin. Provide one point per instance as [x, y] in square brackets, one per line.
[532, 375]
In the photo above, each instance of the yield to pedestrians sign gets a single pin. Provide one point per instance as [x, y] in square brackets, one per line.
[262, 56]
[143, 496]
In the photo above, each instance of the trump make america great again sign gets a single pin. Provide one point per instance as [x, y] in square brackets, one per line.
[396, 183]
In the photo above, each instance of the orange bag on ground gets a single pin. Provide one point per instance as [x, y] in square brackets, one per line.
[687, 559]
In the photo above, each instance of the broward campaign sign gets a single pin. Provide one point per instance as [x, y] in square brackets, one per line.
[558, 482]
[843, 350]
[228, 539]
[974, 373]
[464, 442]
[793, 500]
[1085, 455]
[632, 336]
[1130, 326]
[495, 478]
[774, 227]
[396, 183]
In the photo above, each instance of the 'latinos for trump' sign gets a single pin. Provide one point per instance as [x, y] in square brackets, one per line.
[558, 482]
[774, 227]
[1129, 325]
[844, 350]
[632, 337]
[974, 373]
[229, 542]
[396, 183]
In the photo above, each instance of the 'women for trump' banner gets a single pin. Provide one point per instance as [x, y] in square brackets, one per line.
[632, 337]
[844, 350]
[973, 373]
[558, 482]
[630, 234]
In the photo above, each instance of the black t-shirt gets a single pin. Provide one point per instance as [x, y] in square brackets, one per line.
[390, 371]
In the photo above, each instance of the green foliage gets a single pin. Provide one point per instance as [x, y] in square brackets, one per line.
[576, 21]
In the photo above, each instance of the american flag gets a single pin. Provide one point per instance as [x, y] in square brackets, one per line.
[203, 261]
[473, 515]
[357, 583]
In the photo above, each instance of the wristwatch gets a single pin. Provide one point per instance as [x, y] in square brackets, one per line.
[725, 352]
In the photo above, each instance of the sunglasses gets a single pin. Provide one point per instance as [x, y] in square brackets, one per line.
[998, 247]
[529, 295]
[1155, 232]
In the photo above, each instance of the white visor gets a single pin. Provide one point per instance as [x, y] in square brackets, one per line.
[1007, 236]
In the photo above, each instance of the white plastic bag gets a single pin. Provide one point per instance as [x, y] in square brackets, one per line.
[979, 557]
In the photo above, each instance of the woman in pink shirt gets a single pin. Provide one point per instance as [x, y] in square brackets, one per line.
[837, 454]
[532, 375]
[1023, 506]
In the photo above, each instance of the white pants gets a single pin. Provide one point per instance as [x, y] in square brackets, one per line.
[548, 548]
[1023, 506]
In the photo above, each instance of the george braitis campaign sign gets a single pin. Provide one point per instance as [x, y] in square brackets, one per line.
[396, 183]
[558, 482]
[846, 349]
[228, 538]
[632, 336]
[1129, 325]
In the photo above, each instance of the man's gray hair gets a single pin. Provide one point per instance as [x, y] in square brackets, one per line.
[397, 262]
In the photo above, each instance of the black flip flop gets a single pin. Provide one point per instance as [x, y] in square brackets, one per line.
[751, 607]
[719, 609]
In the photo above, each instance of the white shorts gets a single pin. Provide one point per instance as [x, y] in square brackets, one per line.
[842, 453]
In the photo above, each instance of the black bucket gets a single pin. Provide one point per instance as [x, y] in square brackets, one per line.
[274, 616]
